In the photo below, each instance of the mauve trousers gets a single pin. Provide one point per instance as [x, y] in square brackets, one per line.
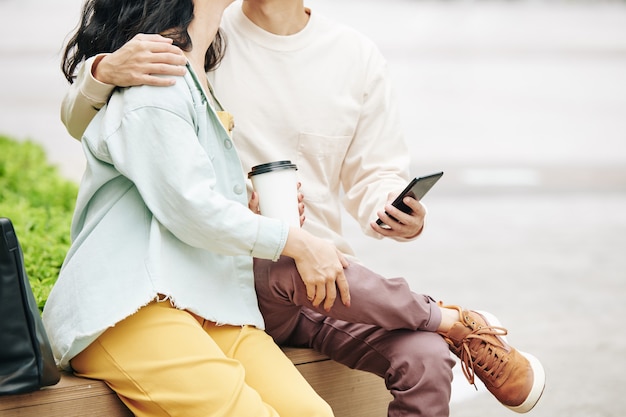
[388, 330]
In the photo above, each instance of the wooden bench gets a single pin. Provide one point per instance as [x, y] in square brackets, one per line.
[350, 393]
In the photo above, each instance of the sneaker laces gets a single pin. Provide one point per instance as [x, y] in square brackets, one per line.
[488, 358]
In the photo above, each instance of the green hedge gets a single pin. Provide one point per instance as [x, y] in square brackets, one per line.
[40, 204]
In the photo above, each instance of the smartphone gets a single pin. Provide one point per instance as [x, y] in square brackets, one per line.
[417, 189]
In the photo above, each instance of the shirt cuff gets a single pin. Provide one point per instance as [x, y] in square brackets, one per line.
[274, 235]
[96, 92]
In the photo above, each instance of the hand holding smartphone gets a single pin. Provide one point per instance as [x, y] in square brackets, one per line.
[417, 188]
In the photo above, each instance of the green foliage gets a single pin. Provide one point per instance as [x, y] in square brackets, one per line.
[40, 204]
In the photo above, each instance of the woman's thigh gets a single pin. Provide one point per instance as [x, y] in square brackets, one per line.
[161, 362]
[270, 372]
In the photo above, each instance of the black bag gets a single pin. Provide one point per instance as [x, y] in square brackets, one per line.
[26, 361]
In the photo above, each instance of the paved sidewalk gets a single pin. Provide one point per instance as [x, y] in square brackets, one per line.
[523, 105]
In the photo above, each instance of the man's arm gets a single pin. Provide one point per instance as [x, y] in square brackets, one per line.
[135, 63]
[83, 100]
[376, 166]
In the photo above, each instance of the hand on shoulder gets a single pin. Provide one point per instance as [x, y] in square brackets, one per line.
[139, 60]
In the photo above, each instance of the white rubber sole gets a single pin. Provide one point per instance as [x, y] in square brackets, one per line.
[539, 374]
[539, 383]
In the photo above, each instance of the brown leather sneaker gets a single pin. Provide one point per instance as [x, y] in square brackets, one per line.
[515, 378]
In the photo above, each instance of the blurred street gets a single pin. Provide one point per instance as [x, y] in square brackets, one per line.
[523, 105]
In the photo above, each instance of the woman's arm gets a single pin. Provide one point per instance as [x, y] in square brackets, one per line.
[322, 280]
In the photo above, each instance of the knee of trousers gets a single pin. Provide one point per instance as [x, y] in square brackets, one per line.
[418, 359]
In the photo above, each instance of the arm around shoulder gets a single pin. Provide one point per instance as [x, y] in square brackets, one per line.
[83, 100]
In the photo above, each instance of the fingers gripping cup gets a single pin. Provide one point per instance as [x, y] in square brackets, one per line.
[277, 186]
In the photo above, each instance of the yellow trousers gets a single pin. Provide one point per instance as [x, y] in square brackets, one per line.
[162, 361]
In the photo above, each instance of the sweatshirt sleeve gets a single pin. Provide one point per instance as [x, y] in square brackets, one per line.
[83, 100]
[377, 162]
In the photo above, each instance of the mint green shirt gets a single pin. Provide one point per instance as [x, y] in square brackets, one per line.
[162, 209]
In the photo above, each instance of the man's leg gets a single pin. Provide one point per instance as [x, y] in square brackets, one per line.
[416, 365]
[375, 300]
[390, 305]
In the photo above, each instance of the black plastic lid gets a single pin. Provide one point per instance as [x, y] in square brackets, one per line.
[271, 166]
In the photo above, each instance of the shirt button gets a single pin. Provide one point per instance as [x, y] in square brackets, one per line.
[228, 144]
[238, 189]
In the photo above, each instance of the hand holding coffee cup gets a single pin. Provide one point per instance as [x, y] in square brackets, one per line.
[276, 184]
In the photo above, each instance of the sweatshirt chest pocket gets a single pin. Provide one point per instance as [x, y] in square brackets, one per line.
[319, 160]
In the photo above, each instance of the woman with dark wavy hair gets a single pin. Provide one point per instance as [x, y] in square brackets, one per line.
[156, 295]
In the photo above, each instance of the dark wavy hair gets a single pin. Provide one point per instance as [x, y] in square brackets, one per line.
[106, 25]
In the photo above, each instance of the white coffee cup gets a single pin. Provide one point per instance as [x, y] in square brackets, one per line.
[276, 184]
